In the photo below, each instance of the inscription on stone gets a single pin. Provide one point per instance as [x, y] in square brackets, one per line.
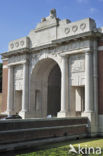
[77, 70]
[18, 77]
[77, 64]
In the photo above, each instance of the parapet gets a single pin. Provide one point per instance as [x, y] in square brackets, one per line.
[52, 28]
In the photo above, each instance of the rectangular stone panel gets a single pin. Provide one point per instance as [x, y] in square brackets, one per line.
[77, 70]
[18, 77]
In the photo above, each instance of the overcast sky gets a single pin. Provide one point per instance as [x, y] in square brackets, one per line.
[18, 17]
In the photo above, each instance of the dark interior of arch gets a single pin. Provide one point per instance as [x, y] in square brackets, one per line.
[54, 91]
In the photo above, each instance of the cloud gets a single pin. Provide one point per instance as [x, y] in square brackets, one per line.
[93, 10]
[82, 1]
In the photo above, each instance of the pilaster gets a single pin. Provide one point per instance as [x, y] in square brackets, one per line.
[89, 93]
[25, 92]
[64, 88]
[10, 99]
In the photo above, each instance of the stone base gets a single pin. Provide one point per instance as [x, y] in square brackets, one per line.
[23, 114]
[92, 122]
[62, 114]
[100, 124]
[66, 114]
[4, 113]
[10, 112]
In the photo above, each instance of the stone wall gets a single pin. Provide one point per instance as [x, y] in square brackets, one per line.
[26, 130]
[0, 101]
[100, 86]
[100, 78]
[4, 86]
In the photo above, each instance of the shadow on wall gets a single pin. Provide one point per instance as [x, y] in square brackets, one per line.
[0, 101]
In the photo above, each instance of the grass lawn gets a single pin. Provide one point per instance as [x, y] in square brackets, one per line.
[62, 149]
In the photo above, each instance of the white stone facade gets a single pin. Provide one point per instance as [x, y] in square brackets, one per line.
[54, 44]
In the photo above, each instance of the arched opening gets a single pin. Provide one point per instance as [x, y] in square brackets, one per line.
[54, 88]
[18, 101]
[45, 88]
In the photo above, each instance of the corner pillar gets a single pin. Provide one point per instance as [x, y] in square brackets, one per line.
[88, 82]
[89, 93]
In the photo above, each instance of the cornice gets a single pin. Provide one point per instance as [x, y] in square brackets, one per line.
[53, 44]
[15, 52]
[89, 34]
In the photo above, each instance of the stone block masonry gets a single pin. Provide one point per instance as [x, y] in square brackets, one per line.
[56, 70]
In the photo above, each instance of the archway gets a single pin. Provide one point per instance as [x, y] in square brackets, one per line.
[54, 91]
[45, 88]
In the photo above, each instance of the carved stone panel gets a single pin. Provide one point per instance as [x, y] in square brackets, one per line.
[77, 70]
[19, 44]
[18, 77]
[17, 58]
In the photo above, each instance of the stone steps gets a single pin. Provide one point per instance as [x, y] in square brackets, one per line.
[37, 123]
[39, 130]
[41, 133]
[22, 147]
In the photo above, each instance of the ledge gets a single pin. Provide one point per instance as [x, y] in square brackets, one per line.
[83, 35]
[53, 44]
[35, 143]
[15, 52]
[40, 119]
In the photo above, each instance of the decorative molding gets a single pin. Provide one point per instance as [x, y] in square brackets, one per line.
[19, 43]
[5, 59]
[62, 50]
[76, 45]
[67, 30]
[11, 45]
[83, 26]
[22, 43]
[77, 51]
[77, 70]
[75, 28]
[16, 59]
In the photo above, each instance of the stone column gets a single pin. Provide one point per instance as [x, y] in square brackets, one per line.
[64, 88]
[10, 100]
[89, 94]
[88, 82]
[25, 93]
[95, 76]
